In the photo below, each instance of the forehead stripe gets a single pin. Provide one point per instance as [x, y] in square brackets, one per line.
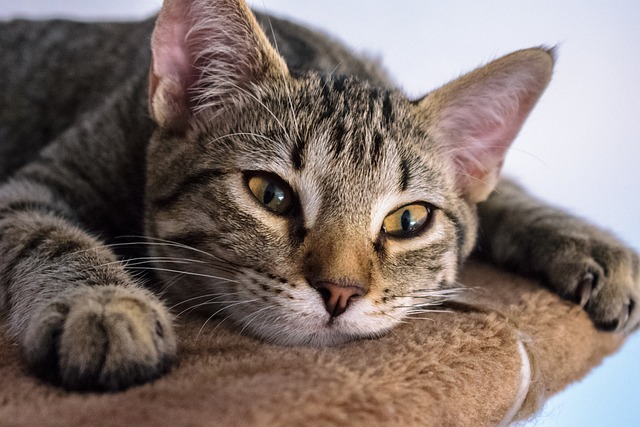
[376, 148]
[297, 154]
[387, 109]
[405, 175]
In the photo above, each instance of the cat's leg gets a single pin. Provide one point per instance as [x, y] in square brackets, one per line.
[577, 260]
[81, 320]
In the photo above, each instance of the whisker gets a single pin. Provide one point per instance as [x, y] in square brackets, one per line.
[226, 307]
[384, 313]
[142, 243]
[169, 283]
[163, 242]
[215, 296]
[146, 260]
[254, 316]
[421, 304]
[188, 273]
[212, 301]
[426, 311]
[434, 293]
[422, 318]
[331, 74]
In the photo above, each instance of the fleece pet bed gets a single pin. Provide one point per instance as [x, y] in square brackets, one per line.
[490, 362]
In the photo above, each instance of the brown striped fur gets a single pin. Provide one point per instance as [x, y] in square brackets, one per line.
[136, 172]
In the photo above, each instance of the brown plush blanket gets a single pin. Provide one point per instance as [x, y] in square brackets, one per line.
[462, 368]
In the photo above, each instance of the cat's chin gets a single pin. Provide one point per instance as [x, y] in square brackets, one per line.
[327, 334]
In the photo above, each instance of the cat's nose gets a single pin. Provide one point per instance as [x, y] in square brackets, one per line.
[337, 297]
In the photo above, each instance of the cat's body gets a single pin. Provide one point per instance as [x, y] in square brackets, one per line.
[305, 206]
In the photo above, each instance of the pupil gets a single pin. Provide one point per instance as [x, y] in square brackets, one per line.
[269, 194]
[406, 220]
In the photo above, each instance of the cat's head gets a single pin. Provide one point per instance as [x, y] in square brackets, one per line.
[314, 209]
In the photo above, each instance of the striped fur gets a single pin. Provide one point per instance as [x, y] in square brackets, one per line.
[102, 198]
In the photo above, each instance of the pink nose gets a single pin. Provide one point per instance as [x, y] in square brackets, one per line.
[337, 297]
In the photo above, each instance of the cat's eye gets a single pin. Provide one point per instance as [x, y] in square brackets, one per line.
[272, 192]
[407, 221]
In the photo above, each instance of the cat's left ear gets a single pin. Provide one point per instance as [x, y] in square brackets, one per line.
[206, 54]
[478, 115]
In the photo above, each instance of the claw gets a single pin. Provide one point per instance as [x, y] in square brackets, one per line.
[617, 325]
[624, 317]
[585, 287]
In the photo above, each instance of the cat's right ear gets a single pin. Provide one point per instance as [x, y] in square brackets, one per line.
[206, 54]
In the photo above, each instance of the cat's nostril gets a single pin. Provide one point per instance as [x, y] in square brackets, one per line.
[337, 297]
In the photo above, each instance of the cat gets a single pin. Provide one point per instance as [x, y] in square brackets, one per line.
[282, 184]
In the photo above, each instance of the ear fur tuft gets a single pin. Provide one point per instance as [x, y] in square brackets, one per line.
[205, 54]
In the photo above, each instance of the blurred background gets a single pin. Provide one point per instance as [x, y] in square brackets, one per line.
[579, 149]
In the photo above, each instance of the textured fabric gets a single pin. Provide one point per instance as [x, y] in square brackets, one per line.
[458, 368]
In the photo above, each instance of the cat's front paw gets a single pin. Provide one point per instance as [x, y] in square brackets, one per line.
[601, 275]
[101, 338]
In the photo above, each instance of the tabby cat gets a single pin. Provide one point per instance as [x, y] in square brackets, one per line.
[301, 197]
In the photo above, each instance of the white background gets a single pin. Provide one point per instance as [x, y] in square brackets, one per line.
[579, 149]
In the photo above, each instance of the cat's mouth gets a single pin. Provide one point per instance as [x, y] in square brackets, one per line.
[314, 327]
[278, 308]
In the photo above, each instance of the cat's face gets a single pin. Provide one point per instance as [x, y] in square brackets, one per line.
[317, 181]
[314, 210]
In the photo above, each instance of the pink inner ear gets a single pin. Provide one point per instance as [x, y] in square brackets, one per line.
[171, 56]
[174, 59]
[171, 74]
[483, 132]
[492, 140]
[481, 159]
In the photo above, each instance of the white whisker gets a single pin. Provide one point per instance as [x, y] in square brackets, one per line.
[147, 260]
[253, 317]
[212, 301]
[188, 273]
[226, 307]
[215, 296]
[163, 242]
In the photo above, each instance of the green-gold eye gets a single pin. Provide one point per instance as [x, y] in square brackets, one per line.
[272, 192]
[407, 221]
